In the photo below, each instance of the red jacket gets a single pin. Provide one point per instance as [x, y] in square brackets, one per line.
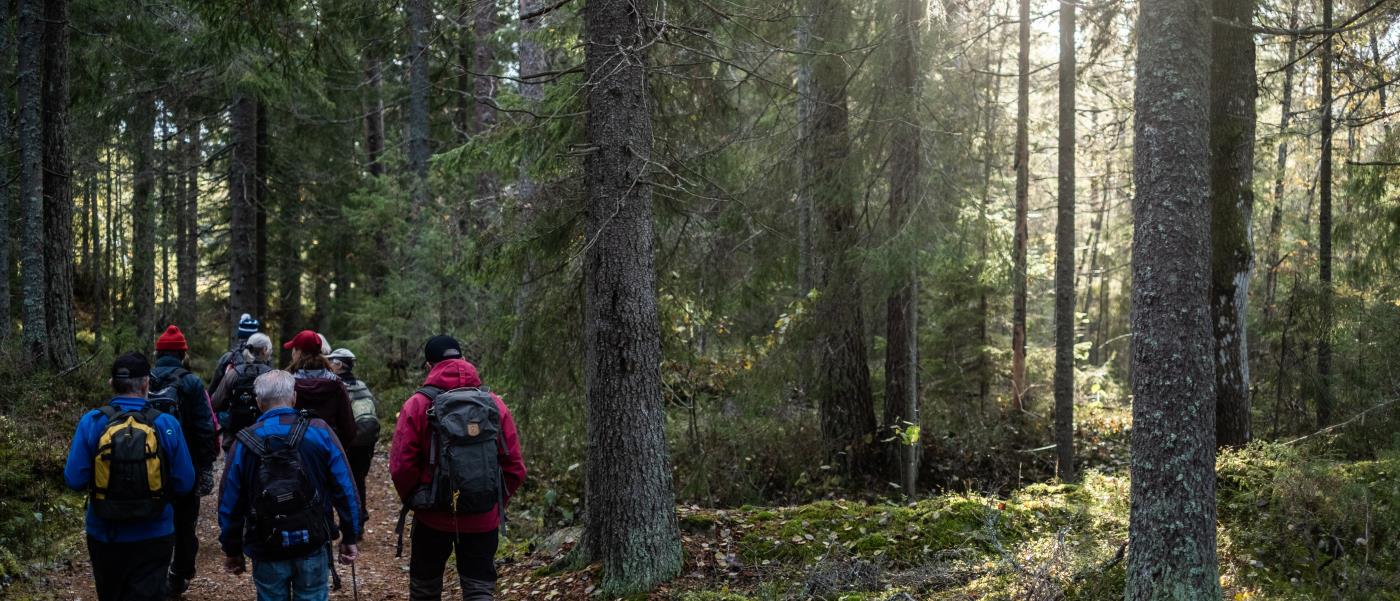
[408, 459]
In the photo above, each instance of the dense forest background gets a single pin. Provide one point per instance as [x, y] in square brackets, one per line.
[864, 263]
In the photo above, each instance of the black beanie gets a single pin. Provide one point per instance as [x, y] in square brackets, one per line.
[131, 365]
[441, 347]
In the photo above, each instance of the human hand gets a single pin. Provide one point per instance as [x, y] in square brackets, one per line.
[349, 553]
[235, 564]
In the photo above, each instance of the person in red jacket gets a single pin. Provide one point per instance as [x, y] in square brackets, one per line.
[436, 534]
[319, 390]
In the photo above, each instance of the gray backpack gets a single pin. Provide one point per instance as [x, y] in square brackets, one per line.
[466, 431]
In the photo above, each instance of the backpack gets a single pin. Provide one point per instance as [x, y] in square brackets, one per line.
[165, 392]
[129, 472]
[466, 427]
[363, 407]
[242, 399]
[288, 516]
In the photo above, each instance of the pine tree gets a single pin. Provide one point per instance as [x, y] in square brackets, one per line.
[58, 188]
[1064, 255]
[1324, 231]
[143, 221]
[242, 180]
[31, 180]
[1019, 241]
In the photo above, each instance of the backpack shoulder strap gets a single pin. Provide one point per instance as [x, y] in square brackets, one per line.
[299, 429]
[109, 410]
[251, 440]
[151, 414]
[431, 392]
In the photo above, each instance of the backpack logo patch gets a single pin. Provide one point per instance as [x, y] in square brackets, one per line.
[474, 429]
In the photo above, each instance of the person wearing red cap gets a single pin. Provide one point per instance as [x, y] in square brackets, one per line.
[194, 411]
[319, 390]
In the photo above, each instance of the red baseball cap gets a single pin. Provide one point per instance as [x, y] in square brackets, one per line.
[305, 341]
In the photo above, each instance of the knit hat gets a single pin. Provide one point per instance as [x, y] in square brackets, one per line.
[441, 347]
[247, 326]
[305, 341]
[131, 365]
[172, 340]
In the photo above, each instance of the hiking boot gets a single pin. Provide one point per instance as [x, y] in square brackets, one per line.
[176, 586]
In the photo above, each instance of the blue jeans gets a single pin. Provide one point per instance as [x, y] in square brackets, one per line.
[292, 579]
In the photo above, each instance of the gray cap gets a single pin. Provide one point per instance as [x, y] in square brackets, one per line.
[341, 353]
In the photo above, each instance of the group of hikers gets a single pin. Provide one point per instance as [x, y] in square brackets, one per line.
[297, 446]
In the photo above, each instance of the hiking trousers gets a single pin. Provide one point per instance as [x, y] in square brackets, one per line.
[360, 459]
[476, 563]
[186, 536]
[302, 579]
[134, 571]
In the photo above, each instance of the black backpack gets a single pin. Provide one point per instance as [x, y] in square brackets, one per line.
[288, 517]
[242, 399]
[129, 471]
[165, 393]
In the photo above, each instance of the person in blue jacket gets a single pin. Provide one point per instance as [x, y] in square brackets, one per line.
[130, 558]
[278, 574]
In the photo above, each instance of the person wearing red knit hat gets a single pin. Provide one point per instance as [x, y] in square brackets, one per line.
[189, 403]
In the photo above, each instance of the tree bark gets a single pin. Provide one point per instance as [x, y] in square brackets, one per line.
[1172, 517]
[419, 15]
[847, 406]
[1324, 232]
[58, 188]
[260, 206]
[1232, 116]
[631, 520]
[289, 269]
[484, 26]
[901, 308]
[188, 277]
[374, 116]
[1064, 256]
[1018, 251]
[242, 184]
[31, 181]
[143, 222]
[6, 190]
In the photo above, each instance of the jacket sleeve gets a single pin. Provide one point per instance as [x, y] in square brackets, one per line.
[344, 416]
[199, 421]
[77, 471]
[511, 460]
[408, 455]
[219, 372]
[219, 401]
[233, 504]
[181, 465]
[344, 497]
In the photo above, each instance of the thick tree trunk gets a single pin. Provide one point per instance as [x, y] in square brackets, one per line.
[242, 195]
[58, 188]
[166, 203]
[260, 207]
[374, 116]
[143, 222]
[289, 268]
[419, 16]
[843, 379]
[6, 190]
[1232, 116]
[1019, 239]
[631, 520]
[1172, 517]
[1064, 256]
[1324, 233]
[188, 278]
[31, 181]
[901, 308]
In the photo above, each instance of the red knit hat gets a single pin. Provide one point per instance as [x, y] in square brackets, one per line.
[172, 340]
[305, 341]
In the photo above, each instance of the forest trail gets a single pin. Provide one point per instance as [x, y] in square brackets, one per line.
[380, 574]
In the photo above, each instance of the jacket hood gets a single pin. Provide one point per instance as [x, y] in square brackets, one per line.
[453, 373]
[169, 361]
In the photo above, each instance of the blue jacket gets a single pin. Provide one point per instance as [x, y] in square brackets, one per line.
[325, 464]
[196, 416]
[77, 473]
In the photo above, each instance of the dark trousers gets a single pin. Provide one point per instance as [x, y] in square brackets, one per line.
[130, 571]
[360, 458]
[476, 562]
[186, 536]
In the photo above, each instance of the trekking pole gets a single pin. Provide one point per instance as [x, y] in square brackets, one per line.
[354, 581]
[335, 574]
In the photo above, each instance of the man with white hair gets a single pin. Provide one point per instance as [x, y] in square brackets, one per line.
[235, 399]
[285, 475]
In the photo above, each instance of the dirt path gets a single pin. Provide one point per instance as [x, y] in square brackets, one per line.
[381, 576]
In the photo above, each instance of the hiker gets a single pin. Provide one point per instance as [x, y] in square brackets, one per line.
[247, 326]
[235, 399]
[176, 391]
[319, 390]
[362, 402]
[474, 439]
[130, 523]
[285, 477]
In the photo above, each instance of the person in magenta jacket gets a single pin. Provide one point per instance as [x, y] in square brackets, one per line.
[436, 534]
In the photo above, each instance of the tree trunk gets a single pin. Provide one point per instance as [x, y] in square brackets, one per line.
[901, 317]
[166, 202]
[289, 268]
[1172, 518]
[260, 204]
[188, 248]
[58, 188]
[990, 112]
[242, 194]
[419, 15]
[374, 117]
[631, 520]
[31, 181]
[1233, 91]
[143, 222]
[484, 26]
[1271, 261]
[6, 191]
[1018, 251]
[1324, 233]
[1064, 257]
[843, 379]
